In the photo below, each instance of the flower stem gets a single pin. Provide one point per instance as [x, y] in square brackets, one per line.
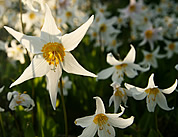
[64, 108]
[156, 124]
[2, 125]
[20, 6]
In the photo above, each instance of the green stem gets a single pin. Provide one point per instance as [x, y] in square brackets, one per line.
[20, 6]
[64, 108]
[156, 124]
[2, 125]
[17, 125]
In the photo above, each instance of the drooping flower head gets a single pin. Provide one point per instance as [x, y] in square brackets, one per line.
[153, 94]
[102, 122]
[52, 53]
[20, 99]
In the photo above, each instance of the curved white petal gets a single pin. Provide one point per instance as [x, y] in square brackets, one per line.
[111, 59]
[49, 30]
[31, 43]
[116, 115]
[150, 103]
[99, 105]
[70, 65]
[137, 67]
[89, 131]
[130, 58]
[107, 131]
[38, 68]
[71, 40]
[1, 89]
[85, 121]
[161, 100]
[151, 83]
[2, 110]
[104, 74]
[53, 79]
[137, 91]
[139, 96]
[120, 122]
[130, 72]
[171, 89]
[117, 102]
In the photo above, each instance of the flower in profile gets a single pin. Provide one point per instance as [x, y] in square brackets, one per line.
[119, 95]
[66, 85]
[153, 94]
[1, 109]
[119, 68]
[151, 35]
[102, 122]
[52, 53]
[150, 58]
[16, 52]
[20, 99]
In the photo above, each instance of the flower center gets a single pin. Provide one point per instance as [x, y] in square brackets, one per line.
[31, 16]
[148, 56]
[119, 92]
[121, 66]
[101, 10]
[103, 28]
[132, 8]
[53, 53]
[68, 14]
[100, 119]
[171, 46]
[120, 20]
[113, 43]
[152, 91]
[149, 34]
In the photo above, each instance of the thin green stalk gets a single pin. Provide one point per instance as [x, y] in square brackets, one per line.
[64, 108]
[20, 6]
[2, 125]
[156, 124]
[17, 125]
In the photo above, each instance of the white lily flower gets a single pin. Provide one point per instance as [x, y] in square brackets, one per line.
[171, 48]
[31, 4]
[150, 58]
[119, 68]
[52, 53]
[153, 94]
[151, 35]
[119, 95]
[102, 122]
[20, 99]
[1, 109]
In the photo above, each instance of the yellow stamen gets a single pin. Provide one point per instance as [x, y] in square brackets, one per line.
[172, 46]
[68, 14]
[132, 8]
[53, 53]
[119, 92]
[121, 66]
[18, 101]
[100, 119]
[119, 20]
[149, 34]
[114, 43]
[32, 16]
[101, 10]
[149, 56]
[103, 27]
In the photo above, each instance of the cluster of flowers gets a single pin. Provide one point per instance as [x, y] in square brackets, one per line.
[50, 53]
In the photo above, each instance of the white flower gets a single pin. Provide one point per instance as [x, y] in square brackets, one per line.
[151, 35]
[102, 122]
[171, 48]
[52, 53]
[150, 58]
[66, 85]
[176, 67]
[32, 4]
[119, 95]
[16, 52]
[118, 69]
[20, 99]
[153, 94]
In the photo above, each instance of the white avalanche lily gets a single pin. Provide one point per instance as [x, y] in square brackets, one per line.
[118, 69]
[119, 95]
[20, 99]
[52, 53]
[102, 122]
[153, 93]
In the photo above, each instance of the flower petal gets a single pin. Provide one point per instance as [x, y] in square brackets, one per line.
[99, 105]
[120, 122]
[104, 74]
[106, 131]
[71, 40]
[49, 30]
[70, 65]
[85, 121]
[1, 89]
[31, 43]
[171, 89]
[53, 79]
[130, 58]
[161, 100]
[89, 131]
[151, 83]
[111, 59]
[38, 68]
[150, 103]
[116, 115]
